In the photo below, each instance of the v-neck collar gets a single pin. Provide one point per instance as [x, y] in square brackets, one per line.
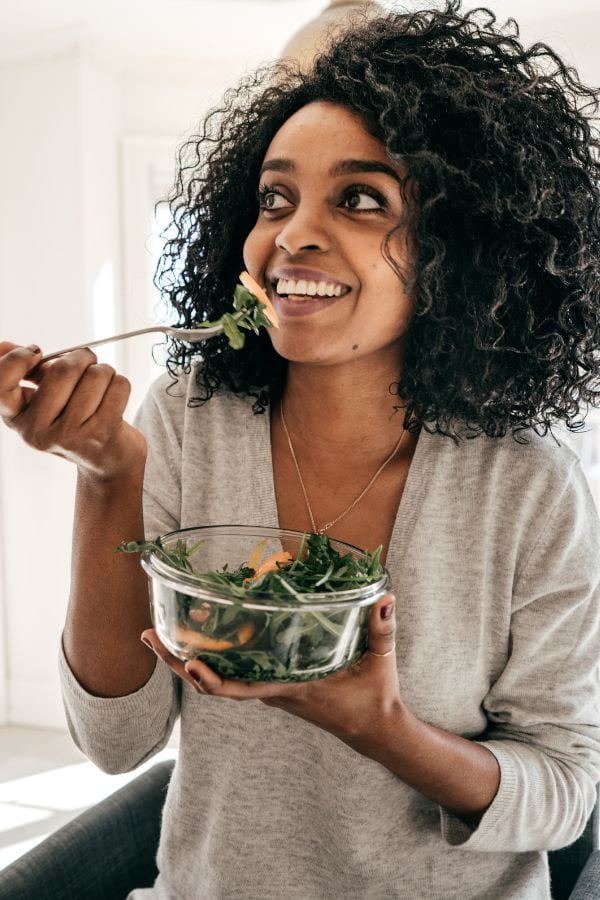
[406, 513]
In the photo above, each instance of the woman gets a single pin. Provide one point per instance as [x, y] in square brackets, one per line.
[422, 208]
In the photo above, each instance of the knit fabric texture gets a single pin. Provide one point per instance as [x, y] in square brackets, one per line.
[495, 563]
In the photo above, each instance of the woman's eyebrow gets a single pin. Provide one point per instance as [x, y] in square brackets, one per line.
[352, 166]
[344, 167]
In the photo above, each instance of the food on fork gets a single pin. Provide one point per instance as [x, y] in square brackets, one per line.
[253, 309]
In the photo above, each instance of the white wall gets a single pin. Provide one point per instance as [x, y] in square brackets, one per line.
[41, 286]
[63, 116]
[148, 149]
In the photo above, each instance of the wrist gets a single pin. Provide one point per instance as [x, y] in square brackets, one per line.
[381, 739]
[122, 465]
[128, 476]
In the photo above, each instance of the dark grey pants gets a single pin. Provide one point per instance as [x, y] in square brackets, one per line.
[101, 854]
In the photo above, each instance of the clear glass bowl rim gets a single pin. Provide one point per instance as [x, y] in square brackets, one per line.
[184, 582]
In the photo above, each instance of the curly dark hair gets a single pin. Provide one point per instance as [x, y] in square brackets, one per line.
[502, 182]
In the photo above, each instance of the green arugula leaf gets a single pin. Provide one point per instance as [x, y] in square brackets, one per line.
[232, 331]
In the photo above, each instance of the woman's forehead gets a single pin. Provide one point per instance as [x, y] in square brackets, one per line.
[321, 133]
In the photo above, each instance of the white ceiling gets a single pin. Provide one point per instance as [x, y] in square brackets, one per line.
[210, 28]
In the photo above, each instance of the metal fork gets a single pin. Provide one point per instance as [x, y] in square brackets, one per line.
[191, 335]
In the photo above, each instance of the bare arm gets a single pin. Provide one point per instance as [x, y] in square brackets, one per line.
[108, 604]
[458, 774]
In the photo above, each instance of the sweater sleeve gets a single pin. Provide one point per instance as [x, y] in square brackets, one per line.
[120, 733]
[161, 419]
[544, 709]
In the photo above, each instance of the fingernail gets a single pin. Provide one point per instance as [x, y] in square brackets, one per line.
[33, 348]
[147, 643]
[196, 681]
[386, 611]
[194, 675]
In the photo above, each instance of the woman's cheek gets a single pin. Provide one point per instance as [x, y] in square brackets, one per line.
[255, 254]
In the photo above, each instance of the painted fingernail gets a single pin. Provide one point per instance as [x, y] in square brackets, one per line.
[386, 611]
[196, 681]
[195, 676]
[147, 643]
[33, 348]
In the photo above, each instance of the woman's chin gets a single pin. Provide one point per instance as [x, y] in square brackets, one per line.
[316, 352]
[301, 348]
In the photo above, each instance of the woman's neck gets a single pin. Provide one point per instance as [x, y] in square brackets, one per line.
[333, 409]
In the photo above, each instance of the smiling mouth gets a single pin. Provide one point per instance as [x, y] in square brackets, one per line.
[304, 289]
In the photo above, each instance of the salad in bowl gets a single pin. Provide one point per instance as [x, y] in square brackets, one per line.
[261, 604]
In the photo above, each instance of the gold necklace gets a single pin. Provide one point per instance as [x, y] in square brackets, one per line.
[354, 502]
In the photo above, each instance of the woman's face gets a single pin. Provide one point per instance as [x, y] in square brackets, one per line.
[329, 194]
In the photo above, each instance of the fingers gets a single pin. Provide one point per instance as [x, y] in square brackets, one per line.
[151, 639]
[211, 683]
[15, 363]
[8, 346]
[205, 681]
[114, 401]
[71, 407]
[382, 628]
[59, 382]
[75, 409]
[100, 392]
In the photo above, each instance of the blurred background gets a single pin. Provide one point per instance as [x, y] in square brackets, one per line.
[94, 99]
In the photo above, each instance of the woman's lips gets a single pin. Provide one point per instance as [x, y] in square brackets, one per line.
[302, 306]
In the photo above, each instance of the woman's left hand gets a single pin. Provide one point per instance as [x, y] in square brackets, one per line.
[353, 704]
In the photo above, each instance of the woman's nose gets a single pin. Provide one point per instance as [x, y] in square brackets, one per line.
[303, 230]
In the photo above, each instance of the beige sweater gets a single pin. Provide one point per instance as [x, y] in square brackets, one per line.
[495, 561]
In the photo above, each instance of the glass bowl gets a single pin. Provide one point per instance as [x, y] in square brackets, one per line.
[255, 635]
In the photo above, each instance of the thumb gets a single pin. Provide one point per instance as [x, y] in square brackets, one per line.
[382, 626]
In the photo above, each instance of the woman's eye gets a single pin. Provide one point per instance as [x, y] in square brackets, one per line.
[358, 199]
[364, 201]
[271, 200]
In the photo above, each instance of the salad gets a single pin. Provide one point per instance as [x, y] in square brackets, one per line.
[271, 619]
[253, 309]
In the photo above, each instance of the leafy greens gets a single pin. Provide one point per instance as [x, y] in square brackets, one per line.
[249, 315]
[276, 644]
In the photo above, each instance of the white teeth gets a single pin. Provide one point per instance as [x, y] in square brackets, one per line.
[303, 287]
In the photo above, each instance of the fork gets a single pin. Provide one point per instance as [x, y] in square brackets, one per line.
[191, 335]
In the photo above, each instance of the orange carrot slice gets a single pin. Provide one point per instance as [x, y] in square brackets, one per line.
[270, 564]
[244, 633]
[254, 288]
[200, 641]
[254, 559]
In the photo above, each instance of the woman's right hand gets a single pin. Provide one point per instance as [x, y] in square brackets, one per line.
[75, 410]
